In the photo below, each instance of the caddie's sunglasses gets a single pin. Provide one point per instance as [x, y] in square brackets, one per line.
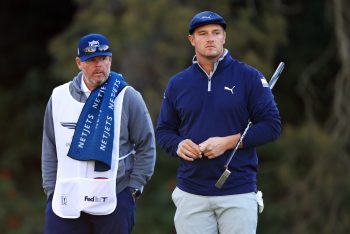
[92, 49]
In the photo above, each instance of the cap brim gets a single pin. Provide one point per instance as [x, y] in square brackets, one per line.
[89, 56]
[223, 25]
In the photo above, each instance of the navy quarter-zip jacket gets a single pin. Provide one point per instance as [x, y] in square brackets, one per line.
[197, 106]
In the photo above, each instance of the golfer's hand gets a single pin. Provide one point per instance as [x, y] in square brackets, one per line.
[216, 146]
[188, 150]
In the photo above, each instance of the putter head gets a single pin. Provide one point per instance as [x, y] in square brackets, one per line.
[222, 179]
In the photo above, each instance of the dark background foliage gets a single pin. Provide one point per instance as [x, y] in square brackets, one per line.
[303, 175]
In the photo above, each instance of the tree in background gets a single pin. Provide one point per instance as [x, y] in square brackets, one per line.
[303, 175]
[24, 88]
[339, 123]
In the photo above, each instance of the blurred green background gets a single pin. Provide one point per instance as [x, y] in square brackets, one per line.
[304, 175]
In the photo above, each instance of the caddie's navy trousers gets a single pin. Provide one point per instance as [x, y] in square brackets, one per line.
[121, 221]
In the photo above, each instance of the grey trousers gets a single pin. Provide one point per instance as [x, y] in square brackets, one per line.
[231, 214]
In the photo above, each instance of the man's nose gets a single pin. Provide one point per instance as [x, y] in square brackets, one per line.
[98, 60]
[210, 37]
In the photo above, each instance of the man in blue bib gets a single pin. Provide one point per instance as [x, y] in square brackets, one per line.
[98, 149]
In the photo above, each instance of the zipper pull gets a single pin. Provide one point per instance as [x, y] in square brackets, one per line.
[209, 81]
[209, 84]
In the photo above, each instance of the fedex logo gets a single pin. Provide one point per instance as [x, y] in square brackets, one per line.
[95, 199]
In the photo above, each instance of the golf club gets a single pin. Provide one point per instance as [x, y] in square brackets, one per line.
[227, 172]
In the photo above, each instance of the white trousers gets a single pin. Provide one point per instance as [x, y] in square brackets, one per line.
[231, 214]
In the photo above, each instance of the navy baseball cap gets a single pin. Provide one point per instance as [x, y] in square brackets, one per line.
[204, 18]
[93, 45]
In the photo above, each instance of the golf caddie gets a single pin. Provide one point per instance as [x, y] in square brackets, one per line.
[98, 149]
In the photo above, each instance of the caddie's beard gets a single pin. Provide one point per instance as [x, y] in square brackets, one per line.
[96, 80]
[104, 79]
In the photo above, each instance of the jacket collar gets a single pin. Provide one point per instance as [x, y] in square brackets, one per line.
[222, 61]
[194, 59]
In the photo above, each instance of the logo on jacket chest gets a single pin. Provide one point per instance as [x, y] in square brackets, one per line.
[69, 125]
[229, 89]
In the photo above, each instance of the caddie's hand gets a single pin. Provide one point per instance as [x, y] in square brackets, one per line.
[188, 150]
[216, 146]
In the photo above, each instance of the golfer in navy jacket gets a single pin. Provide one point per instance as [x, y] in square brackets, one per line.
[205, 110]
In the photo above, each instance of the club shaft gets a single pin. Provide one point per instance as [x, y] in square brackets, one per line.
[238, 144]
[272, 83]
[276, 75]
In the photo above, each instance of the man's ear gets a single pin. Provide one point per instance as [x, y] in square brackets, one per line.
[224, 38]
[78, 62]
[190, 37]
